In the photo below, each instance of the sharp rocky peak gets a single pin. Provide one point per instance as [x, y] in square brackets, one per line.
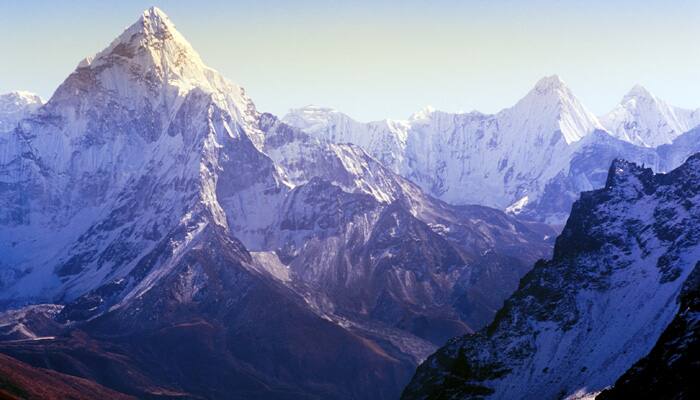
[550, 84]
[638, 92]
[551, 89]
[156, 21]
[554, 105]
[622, 171]
[153, 34]
[151, 67]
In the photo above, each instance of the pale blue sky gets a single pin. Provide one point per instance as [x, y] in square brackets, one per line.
[376, 59]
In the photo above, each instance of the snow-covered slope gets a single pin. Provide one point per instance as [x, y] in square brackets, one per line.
[671, 369]
[587, 170]
[15, 106]
[579, 321]
[645, 120]
[302, 156]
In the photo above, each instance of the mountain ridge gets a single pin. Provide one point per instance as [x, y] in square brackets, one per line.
[532, 159]
[580, 320]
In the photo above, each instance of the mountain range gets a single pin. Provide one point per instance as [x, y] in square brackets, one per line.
[162, 238]
[532, 159]
[153, 204]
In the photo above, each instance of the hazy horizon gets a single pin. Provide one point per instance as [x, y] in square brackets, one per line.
[381, 60]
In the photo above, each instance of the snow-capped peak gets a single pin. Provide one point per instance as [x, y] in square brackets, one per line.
[145, 109]
[152, 33]
[551, 107]
[638, 92]
[17, 105]
[553, 90]
[10, 102]
[151, 66]
[645, 120]
[157, 20]
[550, 83]
[506, 155]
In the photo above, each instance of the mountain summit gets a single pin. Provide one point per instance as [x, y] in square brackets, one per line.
[638, 92]
[551, 104]
[153, 47]
[645, 120]
[153, 34]
[150, 66]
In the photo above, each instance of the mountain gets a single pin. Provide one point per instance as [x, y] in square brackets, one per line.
[532, 159]
[129, 145]
[509, 156]
[15, 106]
[670, 370]
[152, 207]
[345, 201]
[165, 239]
[645, 120]
[142, 156]
[580, 320]
[238, 334]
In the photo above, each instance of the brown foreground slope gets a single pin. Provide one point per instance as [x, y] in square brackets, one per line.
[22, 381]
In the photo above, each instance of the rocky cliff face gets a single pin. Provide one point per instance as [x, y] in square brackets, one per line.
[579, 321]
[670, 370]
